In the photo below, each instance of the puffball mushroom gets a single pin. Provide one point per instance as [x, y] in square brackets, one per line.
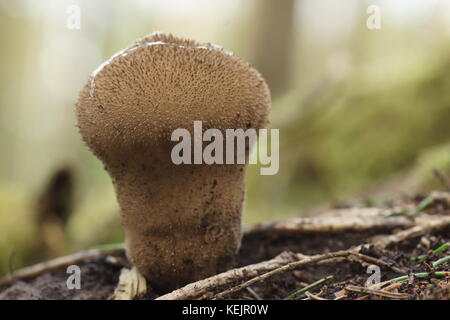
[182, 222]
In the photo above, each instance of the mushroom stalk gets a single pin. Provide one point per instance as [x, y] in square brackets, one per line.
[182, 222]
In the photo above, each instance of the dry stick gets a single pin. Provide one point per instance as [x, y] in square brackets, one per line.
[377, 292]
[377, 262]
[301, 263]
[37, 269]
[364, 258]
[380, 284]
[393, 286]
[390, 287]
[348, 220]
[197, 289]
[397, 282]
[376, 286]
[415, 231]
[287, 267]
[203, 288]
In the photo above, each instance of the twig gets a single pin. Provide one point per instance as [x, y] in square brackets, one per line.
[309, 287]
[393, 286]
[377, 262]
[430, 224]
[342, 294]
[203, 287]
[377, 292]
[287, 267]
[206, 287]
[302, 263]
[342, 220]
[380, 284]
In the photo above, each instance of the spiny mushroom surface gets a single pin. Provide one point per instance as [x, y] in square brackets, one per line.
[182, 222]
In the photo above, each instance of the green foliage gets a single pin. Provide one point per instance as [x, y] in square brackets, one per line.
[96, 220]
[355, 136]
[17, 229]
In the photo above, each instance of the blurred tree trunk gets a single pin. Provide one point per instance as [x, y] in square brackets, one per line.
[272, 42]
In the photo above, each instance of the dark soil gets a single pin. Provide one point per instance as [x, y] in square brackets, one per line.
[351, 273]
[99, 278]
[100, 275]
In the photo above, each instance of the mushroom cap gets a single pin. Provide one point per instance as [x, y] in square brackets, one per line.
[143, 93]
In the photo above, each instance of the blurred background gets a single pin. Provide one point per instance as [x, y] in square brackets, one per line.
[362, 113]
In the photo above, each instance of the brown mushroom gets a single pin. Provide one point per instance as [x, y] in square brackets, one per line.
[182, 222]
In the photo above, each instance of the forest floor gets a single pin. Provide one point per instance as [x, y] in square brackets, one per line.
[397, 250]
